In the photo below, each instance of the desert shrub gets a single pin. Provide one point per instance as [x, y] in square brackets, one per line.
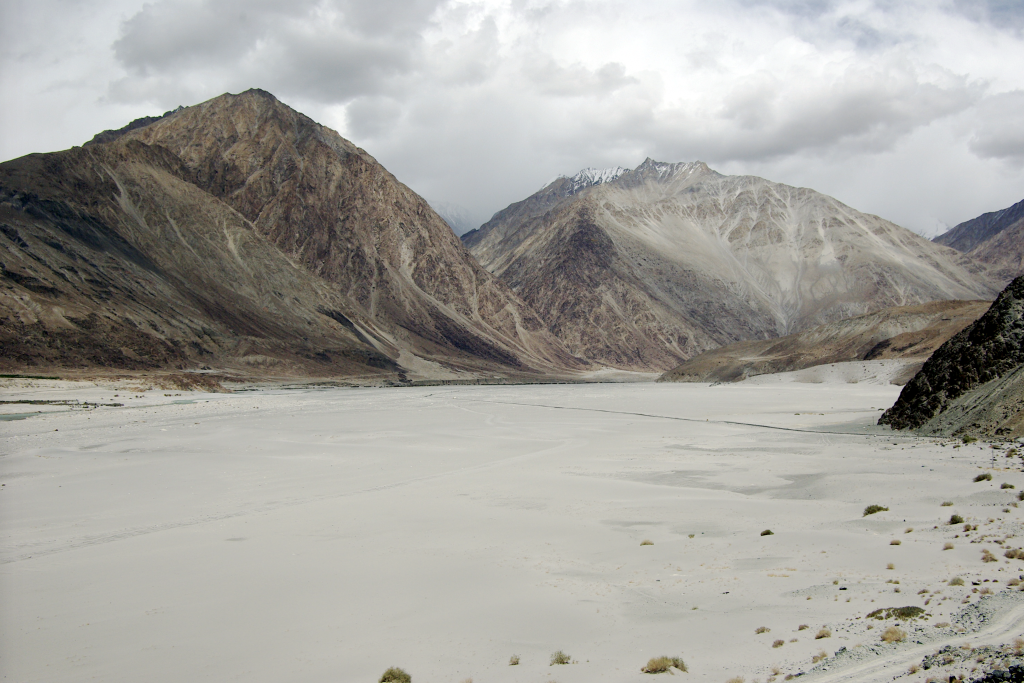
[513, 660]
[890, 566]
[1007, 485]
[947, 546]
[903, 613]
[395, 675]
[762, 629]
[894, 634]
[646, 541]
[778, 643]
[735, 679]
[767, 532]
[956, 581]
[908, 529]
[987, 556]
[823, 633]
[969, 439]
[1013, 582]
[659, 665]
[946, 503]
[1018, 646]
[895, 541]
[559, 657]
[956, 519]
[1020, 496]
[984, 476]
[872, 509]
[802, 627]
[819, 657]
[1014, 554]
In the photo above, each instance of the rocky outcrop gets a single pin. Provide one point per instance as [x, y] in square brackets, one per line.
[995, 238]
[239, 232]
[659, 264]
[909, 333]
[974, 383]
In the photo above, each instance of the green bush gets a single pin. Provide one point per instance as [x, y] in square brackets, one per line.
[395, 675]
[872, 509]
[984, 476]
[956, 519]
[904, 613]
[969, 439]
[767, 532]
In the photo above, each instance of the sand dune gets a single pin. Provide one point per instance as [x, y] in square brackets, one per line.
[313, 535]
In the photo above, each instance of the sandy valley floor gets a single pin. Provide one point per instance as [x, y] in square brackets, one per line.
[325, 535]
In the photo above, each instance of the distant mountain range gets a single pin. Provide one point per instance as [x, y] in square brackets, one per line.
[240, 234]
[995, 238]
[643, 269]
[457, 217]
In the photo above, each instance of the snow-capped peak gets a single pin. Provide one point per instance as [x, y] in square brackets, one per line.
[592, 176]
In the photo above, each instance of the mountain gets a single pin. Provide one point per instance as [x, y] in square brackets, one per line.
[653, 266]
[974, 383]
[995, 238]
[910, 333]
[242, 234]
[457, 217]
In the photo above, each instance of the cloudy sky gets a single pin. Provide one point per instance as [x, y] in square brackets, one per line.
[913, 109]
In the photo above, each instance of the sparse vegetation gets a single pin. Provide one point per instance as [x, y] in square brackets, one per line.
[762, 629]
[908, 529]
[956, 581]
[822, 655]
[894, 634]
[659, 665]
[984, 476]
[513, 660]
[902, 613]
[647, 541]
[947, 503]
[1020, 496]
[956, 519]
[735, 679]
[872, 509]
[895, 541]
[778, 643]
[823, 633]
[1007, 485]
[802, 627]
[559, 657]
[890, 566]
[767, 532]
[395, 675]
[969, 439]
[987, 556]
[1014, 554]
[947, 546]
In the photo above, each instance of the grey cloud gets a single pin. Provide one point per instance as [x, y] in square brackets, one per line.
[1004, 14]
[576, 80]
[1000, 131]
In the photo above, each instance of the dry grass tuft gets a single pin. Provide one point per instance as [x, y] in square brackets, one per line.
[1018, 646]
[872, 509]
[823, 633]
[659, 665]
[395, 675]
[513, 660]
[987, 556]
[947, 503]
[984, 476]
[778, 643]
[735, 679]
[1014, 554]
[1007, 485]
[647, 541]
[802, 627]
[955, 519]
[894, 634]
[890, 566]
[762, 629]
[559, 657]
[947, 546]
[895, 541]
[956, 581]
[942, 624]
[908, 529]
[819, 657]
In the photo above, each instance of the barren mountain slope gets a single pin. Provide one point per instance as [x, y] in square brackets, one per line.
[906, 332]
[110, 259]
[974, 382]
[669, 260]
[995, 238]
[313, 201]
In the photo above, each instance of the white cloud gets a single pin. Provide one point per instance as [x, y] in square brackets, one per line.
[478, 102]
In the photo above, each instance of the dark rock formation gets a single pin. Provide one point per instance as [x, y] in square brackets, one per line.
[996, 238]
[967, 373]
